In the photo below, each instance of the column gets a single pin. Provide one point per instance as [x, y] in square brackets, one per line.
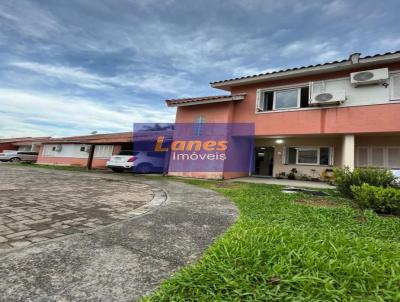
[348, 151]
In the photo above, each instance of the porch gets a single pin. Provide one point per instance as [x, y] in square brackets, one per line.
[313, 157]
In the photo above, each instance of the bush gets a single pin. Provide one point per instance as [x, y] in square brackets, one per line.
[379, 199]
[344, 179]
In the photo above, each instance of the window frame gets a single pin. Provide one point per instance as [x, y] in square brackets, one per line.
[369, 156]
[331, 156]
[260, 96]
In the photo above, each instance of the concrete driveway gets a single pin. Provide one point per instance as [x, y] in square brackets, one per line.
[75, 236]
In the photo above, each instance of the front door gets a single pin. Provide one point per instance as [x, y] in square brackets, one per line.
[264, 161]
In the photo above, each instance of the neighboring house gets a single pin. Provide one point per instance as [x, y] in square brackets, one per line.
[90, 151]
[21, 144]
[312, 118]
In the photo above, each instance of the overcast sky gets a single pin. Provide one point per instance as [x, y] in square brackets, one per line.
[71, 67]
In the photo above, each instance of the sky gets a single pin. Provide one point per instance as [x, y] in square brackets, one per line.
[70, 67]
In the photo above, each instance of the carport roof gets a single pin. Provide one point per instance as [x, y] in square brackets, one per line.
[109, 138]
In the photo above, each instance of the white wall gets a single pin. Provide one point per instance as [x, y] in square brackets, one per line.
[67, 150]
[74, 150]
[362, 95]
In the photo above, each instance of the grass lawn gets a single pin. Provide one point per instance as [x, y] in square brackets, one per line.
[293, 247]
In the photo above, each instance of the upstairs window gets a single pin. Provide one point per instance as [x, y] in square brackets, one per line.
[284, 99]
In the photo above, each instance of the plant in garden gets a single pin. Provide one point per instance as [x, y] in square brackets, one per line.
[379, 199]
[344, 179]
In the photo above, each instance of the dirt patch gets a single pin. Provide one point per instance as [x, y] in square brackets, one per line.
[318, 202]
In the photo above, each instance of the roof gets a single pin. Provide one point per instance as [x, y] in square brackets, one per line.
[25, 140]
[109, 138]
[388, 57]
[204, 100]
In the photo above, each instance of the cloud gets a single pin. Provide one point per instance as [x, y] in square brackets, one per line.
[110, 63]
[24, 111]
[156, 82]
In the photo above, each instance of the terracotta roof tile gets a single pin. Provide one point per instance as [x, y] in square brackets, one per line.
[302, 67]
[171, 102]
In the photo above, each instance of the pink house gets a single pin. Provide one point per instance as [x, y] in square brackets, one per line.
[90, 151]
[313, 118]
[22, 143]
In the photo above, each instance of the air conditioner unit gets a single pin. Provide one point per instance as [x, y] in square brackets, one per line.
[327, 98]
[58, 148]
[369, 77]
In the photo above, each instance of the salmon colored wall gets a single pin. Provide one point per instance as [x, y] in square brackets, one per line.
[213, 113]
[362, 119]
[66, 161]
[356, 119]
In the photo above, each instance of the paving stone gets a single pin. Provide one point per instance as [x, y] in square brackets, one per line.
[20, 243]
[54, 204]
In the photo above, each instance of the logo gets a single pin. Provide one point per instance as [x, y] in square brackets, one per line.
[196, 147]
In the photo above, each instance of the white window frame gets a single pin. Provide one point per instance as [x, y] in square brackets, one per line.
[260, 97]
[286, 108]
[318, 149]
[331, 158]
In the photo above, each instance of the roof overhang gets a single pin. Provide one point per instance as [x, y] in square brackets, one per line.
[204, 100]
[310, 70]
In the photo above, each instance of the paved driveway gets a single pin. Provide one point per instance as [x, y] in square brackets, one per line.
[38, 205]
[137, 240]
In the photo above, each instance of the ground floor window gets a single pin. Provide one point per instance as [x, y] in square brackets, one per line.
[322, 156]
[378, 156]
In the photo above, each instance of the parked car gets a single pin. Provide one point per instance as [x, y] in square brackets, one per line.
[137, 161]
[19, 156]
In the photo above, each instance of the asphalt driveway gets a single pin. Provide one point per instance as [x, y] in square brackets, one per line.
[126, 233]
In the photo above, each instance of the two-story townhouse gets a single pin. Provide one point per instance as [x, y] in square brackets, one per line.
[312, 118]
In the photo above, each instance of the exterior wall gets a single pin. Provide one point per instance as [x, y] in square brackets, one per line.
[368, 110]
[380, 116]
[279, 166]
[71, 156]
[212, 113]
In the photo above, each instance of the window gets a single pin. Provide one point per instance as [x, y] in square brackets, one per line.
[286, 99]
[82, 149]
[310, 156]
[307, 156]
[103, 151]
[394, 157]
[363, 157]
[283, 99]
[385, 157]
[395, 87]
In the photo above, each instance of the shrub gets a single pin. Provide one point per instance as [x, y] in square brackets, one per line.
[344, 179]
[379, 199]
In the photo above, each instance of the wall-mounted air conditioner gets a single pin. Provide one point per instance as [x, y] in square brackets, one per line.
[327, 98]
[369, 77]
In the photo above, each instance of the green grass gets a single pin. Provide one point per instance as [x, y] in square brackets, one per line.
[284, 250]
